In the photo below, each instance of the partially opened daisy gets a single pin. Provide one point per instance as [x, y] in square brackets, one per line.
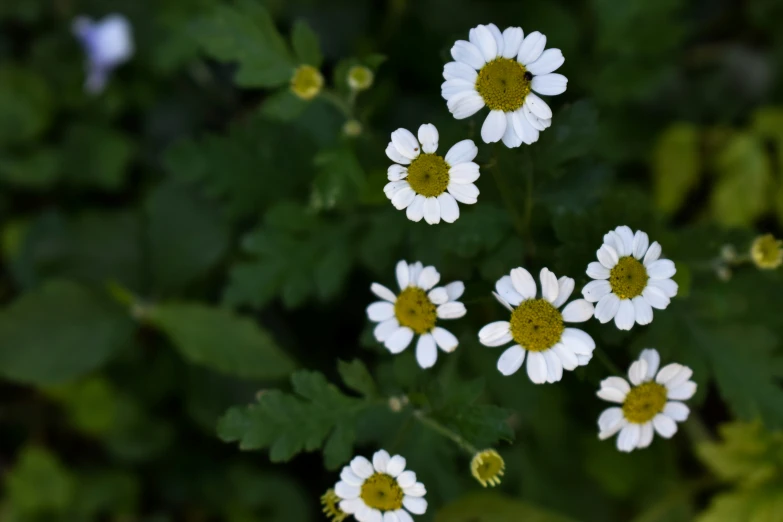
[381, 490]
[430, 185]
[630, 279]
[650, 405]
[501, 71]
[537, 326]
[415, 311]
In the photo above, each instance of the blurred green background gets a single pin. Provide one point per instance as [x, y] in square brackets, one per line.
[182, 242]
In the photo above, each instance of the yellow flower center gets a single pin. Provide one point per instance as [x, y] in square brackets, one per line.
[487, 467]
[767, 252]
[307, 82]
[360, 77]
[628, 278]
[428, 175]
[331, 506]
[536, 325]
[504, 84]
[382, 492]
[644, 402]
[415, 310]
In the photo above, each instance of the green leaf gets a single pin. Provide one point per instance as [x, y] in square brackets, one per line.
[36, 171]
[293, 255]
[305, 44]
[676, 166]
[339, 180]
[187, 236]
[494, 507]
[39, 484]
[318, 415]
[90, 404]
[575, 136]
[357, 377]
[246, 34]
[64, 325]
[96, 157]
[756, 505]
[741, 194]
[283, 106]
[25, 105]
[455, 404]
[220, 340]
[746, 454]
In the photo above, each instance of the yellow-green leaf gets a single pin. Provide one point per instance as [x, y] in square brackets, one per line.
[493, 507]
[676, 166]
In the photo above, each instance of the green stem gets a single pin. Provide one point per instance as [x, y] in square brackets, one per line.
[506, 196]
[446, 432]
[342, 105]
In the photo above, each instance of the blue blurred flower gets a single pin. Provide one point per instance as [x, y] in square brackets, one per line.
[108, 43]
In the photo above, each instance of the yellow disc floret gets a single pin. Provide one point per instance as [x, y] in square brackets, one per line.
[767, 252]
[487, 467]
[503, 84]
[428, 175]
[307, 82]
[382, 492]
[415, 310]
[628, 278]
[536, 325]
[644, 402]
[331, 506]
[360, 77]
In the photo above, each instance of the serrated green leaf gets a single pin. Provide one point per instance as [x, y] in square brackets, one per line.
[39, 484]
[756, 505]
[246, 34]
[339, 180]
[317, 414]
[741, 194]
[494, 507]
[221, 340]
[357, 377]
[676, 166]
[283, 106]
[305, 44]
[293, 255]
[187, 236]
[73, 330]
[96, 157]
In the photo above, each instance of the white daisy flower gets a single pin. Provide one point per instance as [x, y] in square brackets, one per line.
[630, 280]
[648, 405]
[501, 71]
[107, 44]
[536, 326]
[381, 490]
[427, 184]
[415, 311]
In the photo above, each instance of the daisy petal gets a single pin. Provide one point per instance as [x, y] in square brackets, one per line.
[538, 106]
[607, 308]
[416, 490]
[399, 340]
[549, 285]
[455, 290]
[505, 287]
[383, 292]
[665, 426]
[567, 356]
[595, 290]
[460, 71]
[565, 288]
[403, 198]
[531, 48]
[610, 417]
[676, 410]
[428, 137]
[451, 88]
[523, 283]
[640, 243]
[655, 297]
[389, 516]
[438, 296]
[446, 340]
[415, 211]
[403, 516]
[406, 479]
[468, 53]
[668, 286]
[347, 491]
[385, 329]
[554, 368]
[628, 438]
[416, 505]
[466, 172]
[637, 373]
[642, 310]
[466, 193]
[549, 61]
[402, 274]
[351, 506]
[465, 104]
[406, 143]
[549, 84]
[393, 154]
[349, 477]
[626, 234]
[361, 467]
[645, 435]
[511, 360]
[607, 256]
[510, 138]
[661, 269]
[653, 361]
[380, 460]
[396, 465]
[494, 127]
[482, 38]
[380, 311]
[498, 36]
[536, 367]
[452, 310]
[462, 152]
[626, 315]
[578, 311]
[396, 172]
[683, 392]
[449, 210]
[426, 351]
[428, 278]
[596, 270]
[493, 333]
[578, 341]
[653, 253]
[512, 40]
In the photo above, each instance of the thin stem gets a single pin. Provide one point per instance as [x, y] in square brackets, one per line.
[528, 216]
[505, 194]
[446, 432]
[341, 104]
[606, 361]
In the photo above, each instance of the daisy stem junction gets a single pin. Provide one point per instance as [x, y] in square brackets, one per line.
[446, 432]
